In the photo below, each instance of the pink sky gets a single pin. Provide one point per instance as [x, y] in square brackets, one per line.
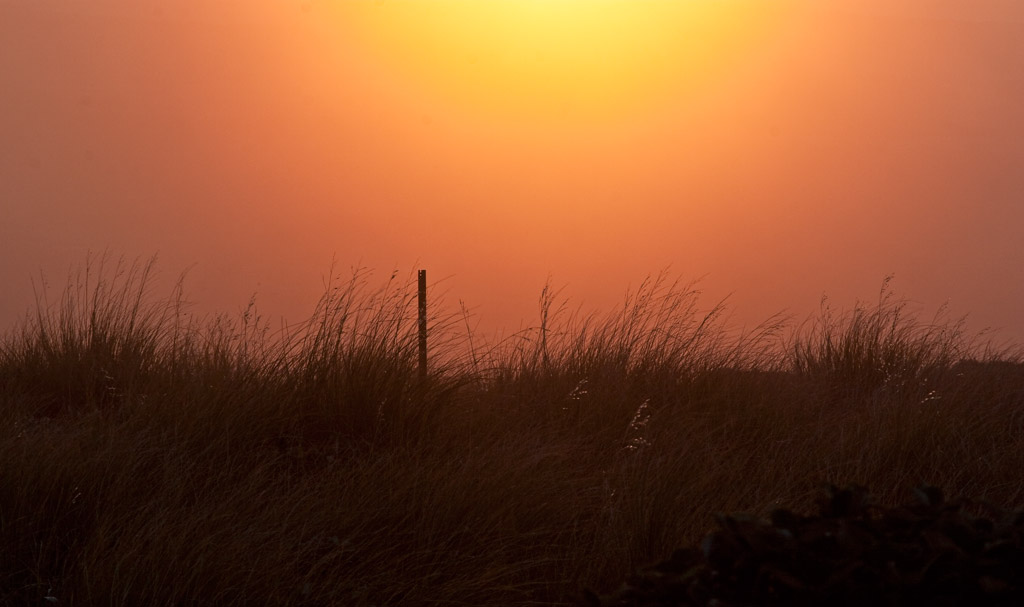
[822, 148]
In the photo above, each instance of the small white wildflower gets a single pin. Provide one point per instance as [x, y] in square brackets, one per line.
[579, 391]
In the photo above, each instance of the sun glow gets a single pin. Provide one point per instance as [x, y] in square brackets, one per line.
[561, 59]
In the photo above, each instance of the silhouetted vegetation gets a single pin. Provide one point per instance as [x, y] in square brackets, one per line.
[153, 458]
[853, 553]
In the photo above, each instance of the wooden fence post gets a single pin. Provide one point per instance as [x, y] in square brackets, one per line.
[422, 275]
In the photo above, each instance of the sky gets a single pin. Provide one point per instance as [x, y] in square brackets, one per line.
[775, 151]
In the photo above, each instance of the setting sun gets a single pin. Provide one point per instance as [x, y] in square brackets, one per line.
[563, 58]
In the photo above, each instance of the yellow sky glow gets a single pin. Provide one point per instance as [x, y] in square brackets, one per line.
[559, 59]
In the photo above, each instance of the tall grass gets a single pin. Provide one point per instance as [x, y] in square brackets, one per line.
[152, 457]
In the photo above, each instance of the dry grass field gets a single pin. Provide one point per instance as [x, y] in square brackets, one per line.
[151, 458]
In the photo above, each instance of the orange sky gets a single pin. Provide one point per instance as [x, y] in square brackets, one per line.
[781, 150]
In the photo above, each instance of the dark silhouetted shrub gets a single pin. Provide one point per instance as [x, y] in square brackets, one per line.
[854, 552]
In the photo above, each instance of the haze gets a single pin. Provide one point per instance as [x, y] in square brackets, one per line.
[779, 151]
